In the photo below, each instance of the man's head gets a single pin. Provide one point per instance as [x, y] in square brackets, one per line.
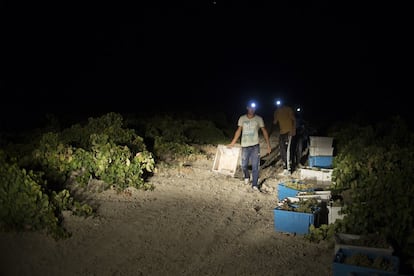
[278, 103]
[251, 107]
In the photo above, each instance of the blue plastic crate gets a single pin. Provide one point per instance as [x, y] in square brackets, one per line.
[342, 269]
[294, 222]
[283, 191]
[321, 161]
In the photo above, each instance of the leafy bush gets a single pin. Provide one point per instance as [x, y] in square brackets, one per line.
[102, 152]
[375, 164]
[24, 205]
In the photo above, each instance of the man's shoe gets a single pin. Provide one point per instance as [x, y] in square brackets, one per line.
[246, 181]
[255, 188]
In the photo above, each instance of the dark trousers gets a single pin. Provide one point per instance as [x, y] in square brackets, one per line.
[283, 146]
[296, 150]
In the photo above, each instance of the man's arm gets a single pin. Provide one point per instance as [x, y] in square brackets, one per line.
[266, 137]
[275, 122]
[275, 117]
[236, 136]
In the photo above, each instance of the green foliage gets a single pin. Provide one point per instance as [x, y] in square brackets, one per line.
[302, 206]
[19, 146]
[170, 129]
[378, 262]
[111, 125]
[323, 232]
[174, 131]
[375, 163]
[53, 157]
[183, 130]
[24, 205]
[299, 185]
[65, 202]
[115, 164]
[171, 136]
[165, 150]
[369, 240]
[101, 148]
[102, 153]
[204, 132]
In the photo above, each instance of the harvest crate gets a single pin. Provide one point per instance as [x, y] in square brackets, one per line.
[321, 161]
[320, 175]
[226, 160]
[321, 141]
[318, 151]
[350, 241]
[294, 222]
[341, 268]
[283, 191]
[320, 195]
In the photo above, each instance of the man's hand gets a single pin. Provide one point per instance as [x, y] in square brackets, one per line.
[269, 149]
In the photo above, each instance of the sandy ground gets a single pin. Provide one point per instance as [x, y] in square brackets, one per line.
[195, 222]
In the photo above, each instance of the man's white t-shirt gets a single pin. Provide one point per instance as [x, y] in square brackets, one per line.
[250, 131]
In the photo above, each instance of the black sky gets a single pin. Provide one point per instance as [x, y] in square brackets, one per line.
[335, 61]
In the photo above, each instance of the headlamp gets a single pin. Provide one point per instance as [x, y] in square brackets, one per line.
[251, 104]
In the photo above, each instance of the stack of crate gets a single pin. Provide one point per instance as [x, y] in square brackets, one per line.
[321, 152]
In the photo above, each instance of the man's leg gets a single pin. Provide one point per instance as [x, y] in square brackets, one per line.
[283, 144]
[289, 154]
[245, 162]
[293, 152]
[299, 150]
[255, 155]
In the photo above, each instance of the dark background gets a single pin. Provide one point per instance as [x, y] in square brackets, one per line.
[337, 61]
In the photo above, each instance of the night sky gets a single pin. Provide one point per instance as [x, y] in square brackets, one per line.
[335, 61]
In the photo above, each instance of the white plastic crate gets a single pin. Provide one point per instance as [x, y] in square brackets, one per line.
[323, 195]
[318, 151]
[226, 160]
[321, 141]
[322, 175]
